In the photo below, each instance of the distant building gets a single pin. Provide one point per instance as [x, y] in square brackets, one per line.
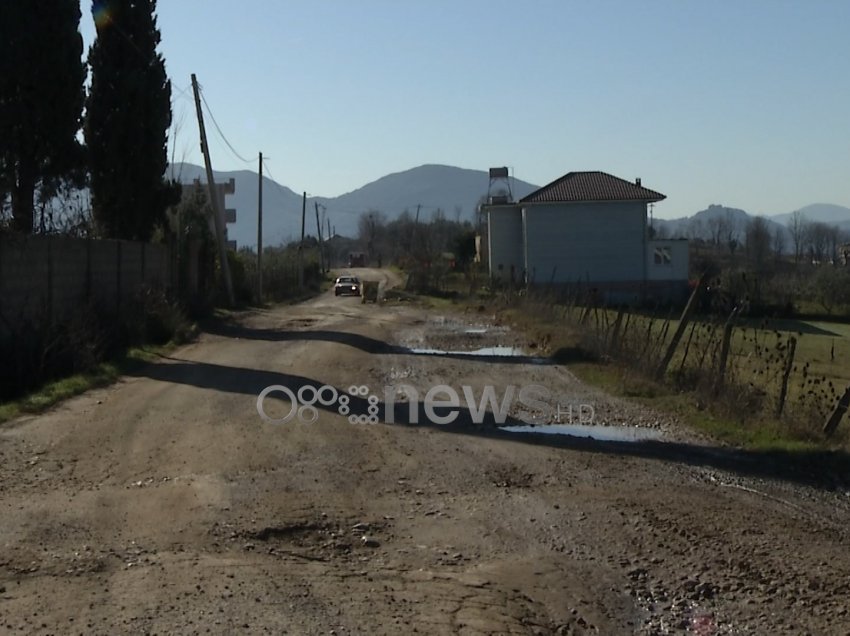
[587, 229]
[357, 259]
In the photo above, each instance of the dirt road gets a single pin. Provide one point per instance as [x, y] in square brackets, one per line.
[166, 504]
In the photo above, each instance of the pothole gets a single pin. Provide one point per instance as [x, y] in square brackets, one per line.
[497, 351]
[597, 432]
[286, 531]
[314, 540]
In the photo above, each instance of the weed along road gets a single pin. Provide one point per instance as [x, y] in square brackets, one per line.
[370, 491]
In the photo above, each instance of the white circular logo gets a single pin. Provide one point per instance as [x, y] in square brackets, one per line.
[304, 403]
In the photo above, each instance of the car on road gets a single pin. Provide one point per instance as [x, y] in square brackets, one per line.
[347, 285]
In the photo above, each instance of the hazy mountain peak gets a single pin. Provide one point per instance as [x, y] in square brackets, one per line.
[821, 212]
[429, 187]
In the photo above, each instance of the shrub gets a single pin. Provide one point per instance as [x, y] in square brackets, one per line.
[154, 319]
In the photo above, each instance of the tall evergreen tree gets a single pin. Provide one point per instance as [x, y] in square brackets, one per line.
[128, 113]
[41, 100]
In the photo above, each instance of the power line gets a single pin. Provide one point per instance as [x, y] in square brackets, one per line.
[221, 134]
[271, 176]
[182, 92]
[282, 188]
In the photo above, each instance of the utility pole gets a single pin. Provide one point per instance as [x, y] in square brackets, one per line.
[651, 226]
[260, 235]
[217, 213]
[328, 219]
[301, 244]
[321, 247]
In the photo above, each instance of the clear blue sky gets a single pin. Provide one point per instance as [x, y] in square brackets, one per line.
[744, 103]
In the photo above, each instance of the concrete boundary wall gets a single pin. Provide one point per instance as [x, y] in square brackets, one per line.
[45, 278]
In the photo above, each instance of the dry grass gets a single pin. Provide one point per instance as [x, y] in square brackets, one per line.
[738, 406]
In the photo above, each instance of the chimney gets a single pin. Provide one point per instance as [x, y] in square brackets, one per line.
[637, 182]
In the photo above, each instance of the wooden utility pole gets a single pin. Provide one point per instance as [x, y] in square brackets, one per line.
[321, 247]
[329, 237]
[301, 244]
[260, 235]
[218, 217]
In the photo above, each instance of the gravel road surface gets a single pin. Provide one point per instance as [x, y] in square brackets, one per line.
[166, 504]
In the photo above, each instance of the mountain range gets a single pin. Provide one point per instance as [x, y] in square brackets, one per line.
[456, 191]
[733, 222]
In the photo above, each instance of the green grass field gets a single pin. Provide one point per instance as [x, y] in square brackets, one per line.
[820, 371]
[824, 345]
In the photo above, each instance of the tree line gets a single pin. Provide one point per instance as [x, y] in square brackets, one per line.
[805, 240]
[409, 241]
[57, 133]
[801, 268]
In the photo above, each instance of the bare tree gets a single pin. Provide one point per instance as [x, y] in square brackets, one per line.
[370, 226]
[695, 229]
[797, 228]
[834, 241]
[778, 243]
[716, 229]
[831, 287]
[816, 237]
[844, 247]
[758, 240]
[732, 231]
[174, 132]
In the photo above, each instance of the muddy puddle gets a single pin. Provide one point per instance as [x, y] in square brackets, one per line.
[601, 433]
[454, 338]
[495, 351]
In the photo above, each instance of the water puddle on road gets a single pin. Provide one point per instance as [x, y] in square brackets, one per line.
[601, 433]
[496, 352]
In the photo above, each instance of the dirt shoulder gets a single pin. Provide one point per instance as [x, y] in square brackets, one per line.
[166, 504]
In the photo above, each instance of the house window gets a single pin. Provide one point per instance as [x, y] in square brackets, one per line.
[662, 255]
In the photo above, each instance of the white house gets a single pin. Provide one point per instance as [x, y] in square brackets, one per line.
[587, 229]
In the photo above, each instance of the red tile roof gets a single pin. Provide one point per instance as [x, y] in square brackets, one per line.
[591, 186]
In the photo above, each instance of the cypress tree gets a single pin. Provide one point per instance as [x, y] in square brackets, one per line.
[41, 100]
[128, 113]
